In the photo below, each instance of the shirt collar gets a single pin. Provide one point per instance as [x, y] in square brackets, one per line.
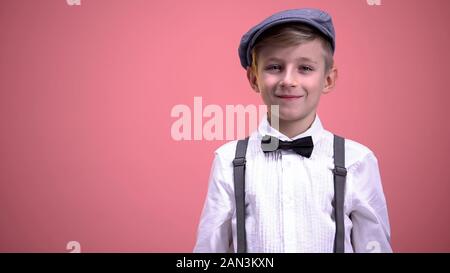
[315, 130]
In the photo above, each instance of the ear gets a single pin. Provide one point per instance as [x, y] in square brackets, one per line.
[330, 80]
[252, 79]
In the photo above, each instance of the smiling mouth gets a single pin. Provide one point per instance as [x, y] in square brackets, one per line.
[288, 97]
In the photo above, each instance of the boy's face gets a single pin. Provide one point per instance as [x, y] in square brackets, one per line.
[294, 78]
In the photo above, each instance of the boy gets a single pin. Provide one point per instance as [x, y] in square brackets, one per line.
[291, 198]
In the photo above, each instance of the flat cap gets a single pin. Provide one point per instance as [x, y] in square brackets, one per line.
[315, 18]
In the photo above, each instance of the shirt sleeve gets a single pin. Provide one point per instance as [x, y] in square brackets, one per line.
[371, 230]
[214, 232]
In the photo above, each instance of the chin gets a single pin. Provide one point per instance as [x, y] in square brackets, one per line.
[290, 116]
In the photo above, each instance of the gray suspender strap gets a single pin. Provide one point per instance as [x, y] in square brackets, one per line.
[239, 193]
[340, 173]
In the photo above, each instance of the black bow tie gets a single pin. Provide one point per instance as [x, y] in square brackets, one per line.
[302, 146]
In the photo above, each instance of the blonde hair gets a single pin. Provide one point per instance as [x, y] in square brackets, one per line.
[285, 35]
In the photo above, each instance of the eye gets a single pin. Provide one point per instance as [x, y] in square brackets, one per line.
[273, 67]
[306, 68]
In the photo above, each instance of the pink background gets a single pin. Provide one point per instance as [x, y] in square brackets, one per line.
[86, 93]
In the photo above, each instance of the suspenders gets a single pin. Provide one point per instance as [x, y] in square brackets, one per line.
[340, 173]
[239, 193]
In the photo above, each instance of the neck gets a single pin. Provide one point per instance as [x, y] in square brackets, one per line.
[292, 128]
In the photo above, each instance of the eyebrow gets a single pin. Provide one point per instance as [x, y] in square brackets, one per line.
[304, 59]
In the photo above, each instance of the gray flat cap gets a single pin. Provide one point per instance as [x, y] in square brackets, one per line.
[315, 18]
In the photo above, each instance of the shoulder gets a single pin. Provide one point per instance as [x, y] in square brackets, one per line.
[357, 153]
[224, 155]
[227, 152]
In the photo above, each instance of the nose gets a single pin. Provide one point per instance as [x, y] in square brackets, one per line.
[288, 79]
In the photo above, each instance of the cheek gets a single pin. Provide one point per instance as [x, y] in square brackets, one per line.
[314, 84]
[268, 81]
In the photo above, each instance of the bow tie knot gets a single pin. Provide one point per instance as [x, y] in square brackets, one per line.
[302, 146]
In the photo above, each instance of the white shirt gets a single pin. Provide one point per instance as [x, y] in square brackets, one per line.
[289, 198]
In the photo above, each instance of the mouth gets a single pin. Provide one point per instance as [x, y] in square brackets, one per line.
[289, 97]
